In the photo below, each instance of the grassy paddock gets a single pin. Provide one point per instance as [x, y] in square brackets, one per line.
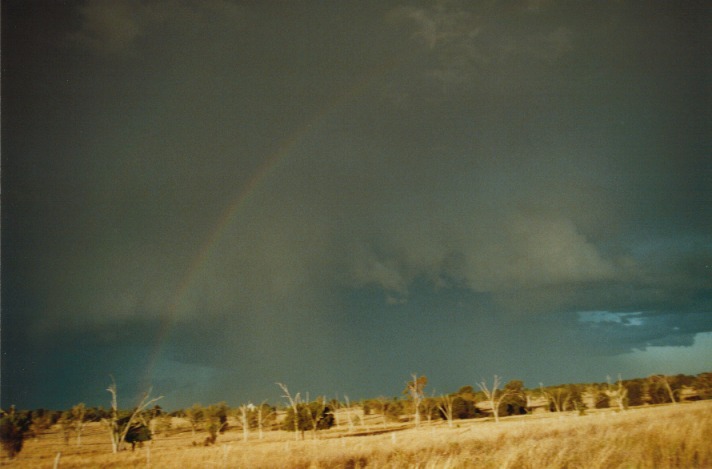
[671, 436]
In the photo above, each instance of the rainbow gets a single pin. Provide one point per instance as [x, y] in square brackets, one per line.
[268, 166]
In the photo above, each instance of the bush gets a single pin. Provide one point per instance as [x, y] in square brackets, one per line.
[463, 408]
[137, 434]
[315, 414]
[215, 421]
[12, 431]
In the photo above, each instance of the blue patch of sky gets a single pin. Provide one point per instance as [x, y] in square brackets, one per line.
[626, 319]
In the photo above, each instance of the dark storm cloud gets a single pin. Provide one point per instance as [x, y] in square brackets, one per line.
[442, 173]
[117, 28]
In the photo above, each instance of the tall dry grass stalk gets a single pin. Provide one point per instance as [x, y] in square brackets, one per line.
[656, 437]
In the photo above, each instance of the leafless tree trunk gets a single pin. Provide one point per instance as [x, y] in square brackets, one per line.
[429, 405]
[118, 433]
[383, 402]
[261, 417]
[260, 420]
[65, 424]
[244, 419]
[293, 403]
[619, 394]
[114, 431]
[349, 417]
[446, 405]
[415, 390]
[493, 397]
[549, 398]
[78, 413]
[663, 379]
[559, 397]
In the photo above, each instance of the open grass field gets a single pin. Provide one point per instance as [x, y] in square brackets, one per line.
[670, 436]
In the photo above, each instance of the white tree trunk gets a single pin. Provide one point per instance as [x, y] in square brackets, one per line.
[293, 403]
[446, 407]
[118, 435]
[494, 400]
[244, 420]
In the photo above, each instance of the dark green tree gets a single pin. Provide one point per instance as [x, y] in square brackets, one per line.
[13, 427]
[515, 402]
[314, 416]
[215, 421]
[703, 385]
[636, 392]
[389, 409]
[195, 415]
[393, 409]
[300, 422]
[601, 399]
[156, 412]
[96, 414]
[467, 392]
[42, 420]
[463, 408]
[576, 398]
[136, 433]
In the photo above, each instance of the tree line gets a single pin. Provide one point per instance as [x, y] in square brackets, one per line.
[492, 399]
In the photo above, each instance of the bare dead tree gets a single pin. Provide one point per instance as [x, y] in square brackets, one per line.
[493, 396]
[383, 403]
[349, 416]
[294, 404]
[65, 424]
[445, 405]
[118, 431]
[662, 379]
[113, 422]
[244, 419]
[559, 397]
[429, 404]
[619, 394]
[262, 416]
[533, 396]
[415, 389]
[78, 412]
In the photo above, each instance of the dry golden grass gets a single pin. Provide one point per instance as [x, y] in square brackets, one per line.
[672, 436]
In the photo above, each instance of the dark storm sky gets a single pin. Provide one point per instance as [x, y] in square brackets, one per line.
[208, 197]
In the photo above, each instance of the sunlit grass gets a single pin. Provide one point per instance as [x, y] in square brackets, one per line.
[671, 436]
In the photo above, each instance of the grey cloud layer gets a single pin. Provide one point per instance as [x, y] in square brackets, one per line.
[520, 163]
[496, 212]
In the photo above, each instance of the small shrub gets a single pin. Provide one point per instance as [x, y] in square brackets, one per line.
[13, 428]
[137, 434]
